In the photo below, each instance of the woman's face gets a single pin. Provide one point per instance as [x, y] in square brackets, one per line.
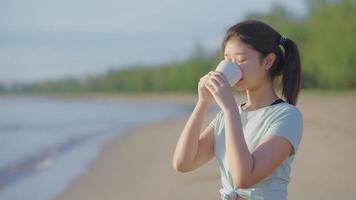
[253, 71]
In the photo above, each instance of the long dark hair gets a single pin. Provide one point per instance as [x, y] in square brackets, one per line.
[264, 39]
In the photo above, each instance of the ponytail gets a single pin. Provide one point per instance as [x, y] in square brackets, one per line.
[291, 74]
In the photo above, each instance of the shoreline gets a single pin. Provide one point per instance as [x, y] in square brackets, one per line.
[132, 170]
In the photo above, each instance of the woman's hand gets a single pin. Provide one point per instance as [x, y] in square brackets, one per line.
[220, 88]
[204, 94]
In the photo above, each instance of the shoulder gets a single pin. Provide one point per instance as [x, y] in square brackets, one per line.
[285, 109]
[286, 117]
[286, 114]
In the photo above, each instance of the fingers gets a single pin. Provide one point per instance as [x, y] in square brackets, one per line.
[204, 78]
[213, 80]
[219, 77]
[212, 84]
[211, 87]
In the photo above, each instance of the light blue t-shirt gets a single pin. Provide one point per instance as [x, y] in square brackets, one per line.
[281, 119]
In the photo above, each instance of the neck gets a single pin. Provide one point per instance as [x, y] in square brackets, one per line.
[260, 97]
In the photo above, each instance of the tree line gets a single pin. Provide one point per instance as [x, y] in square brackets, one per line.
[325, 37]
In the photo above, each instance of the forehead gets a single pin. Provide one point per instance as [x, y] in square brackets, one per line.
[235, 46]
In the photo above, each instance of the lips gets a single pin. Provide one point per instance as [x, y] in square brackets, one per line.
[239, 81]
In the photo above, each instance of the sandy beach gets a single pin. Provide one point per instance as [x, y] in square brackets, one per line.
[138, 165]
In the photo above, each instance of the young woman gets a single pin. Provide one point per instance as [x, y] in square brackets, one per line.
[254, 142]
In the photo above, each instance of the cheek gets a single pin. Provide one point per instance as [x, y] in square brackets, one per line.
[247, 70]
[251, 72]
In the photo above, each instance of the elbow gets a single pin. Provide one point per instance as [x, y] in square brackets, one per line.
[242, 183]
[180, 168]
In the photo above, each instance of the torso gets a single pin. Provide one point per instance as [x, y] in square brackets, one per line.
[252, 139]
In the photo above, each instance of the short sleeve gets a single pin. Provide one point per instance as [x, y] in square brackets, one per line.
[288, 124]
[216, 119]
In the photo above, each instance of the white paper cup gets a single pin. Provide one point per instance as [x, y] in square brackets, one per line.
[231, 71]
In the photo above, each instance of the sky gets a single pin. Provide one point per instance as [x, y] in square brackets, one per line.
[43, 40]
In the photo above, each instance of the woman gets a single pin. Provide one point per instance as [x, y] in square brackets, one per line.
[254, 142]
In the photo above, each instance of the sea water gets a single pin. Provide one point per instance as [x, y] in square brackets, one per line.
[46, 142]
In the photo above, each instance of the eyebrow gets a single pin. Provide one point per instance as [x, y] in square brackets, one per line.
[238, 53]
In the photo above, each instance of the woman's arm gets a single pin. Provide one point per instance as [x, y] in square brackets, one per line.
[240, 160]
[187, 145]
[247, 169]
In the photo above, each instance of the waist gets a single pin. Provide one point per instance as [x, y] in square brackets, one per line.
[258, 193]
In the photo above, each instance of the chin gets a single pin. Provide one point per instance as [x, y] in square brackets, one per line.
[239, 88]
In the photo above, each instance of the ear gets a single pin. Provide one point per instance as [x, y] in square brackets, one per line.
[268, 61]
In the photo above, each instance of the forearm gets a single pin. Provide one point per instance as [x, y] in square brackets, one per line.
[187, 145]
[239, 157]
